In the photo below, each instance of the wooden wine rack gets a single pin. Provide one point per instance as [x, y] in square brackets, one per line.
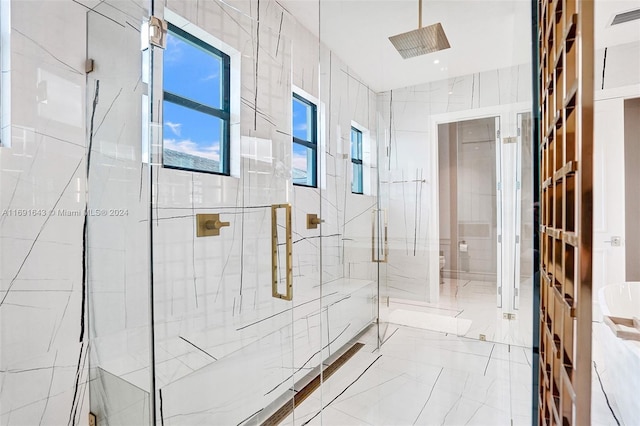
[565, 39]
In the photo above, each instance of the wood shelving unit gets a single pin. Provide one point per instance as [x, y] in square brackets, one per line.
[565, 38]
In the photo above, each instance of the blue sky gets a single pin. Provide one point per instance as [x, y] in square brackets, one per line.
[195, 74]
[301, 117]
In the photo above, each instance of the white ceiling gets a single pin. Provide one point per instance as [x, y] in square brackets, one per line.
[484, 35]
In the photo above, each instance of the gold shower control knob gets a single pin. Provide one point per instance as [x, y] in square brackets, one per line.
[313, 221]
[215, 224]
[208, 225]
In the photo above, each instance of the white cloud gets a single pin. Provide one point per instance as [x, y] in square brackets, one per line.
[187, 146]
[175, 127]
[211, 76]
[299, 162]
[173, 53]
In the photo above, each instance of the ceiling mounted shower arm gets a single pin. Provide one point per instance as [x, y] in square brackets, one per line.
[419, 13]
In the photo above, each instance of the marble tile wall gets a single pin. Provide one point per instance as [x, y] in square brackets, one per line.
[620, 66]
[409, 171]
[43, 344]
[77, 145]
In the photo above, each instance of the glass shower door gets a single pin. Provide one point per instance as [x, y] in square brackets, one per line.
[380, 227]
[237, 324]
[485, 195]
[233, 329]
[116, 231]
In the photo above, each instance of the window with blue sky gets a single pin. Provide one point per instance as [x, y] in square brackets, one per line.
[196, 104]
[305, 147]
[356, 161]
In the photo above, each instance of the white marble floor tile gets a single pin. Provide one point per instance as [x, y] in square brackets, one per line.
[604, 408]
[476, 301]
[421, 377]
[429, 321]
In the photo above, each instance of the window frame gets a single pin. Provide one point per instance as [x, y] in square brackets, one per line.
[313, 144]
[223, 113]
[357, 160]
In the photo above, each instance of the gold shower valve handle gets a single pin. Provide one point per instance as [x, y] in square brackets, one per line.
[208, 225]
[313, 221]
[215, 224]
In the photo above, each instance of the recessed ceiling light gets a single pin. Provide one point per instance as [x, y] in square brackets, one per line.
[437, 61]
[451, 93]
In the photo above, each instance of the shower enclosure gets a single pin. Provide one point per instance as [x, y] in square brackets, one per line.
[224, 280]
[213, 297]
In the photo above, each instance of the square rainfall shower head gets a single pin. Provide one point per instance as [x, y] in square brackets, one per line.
[421, 41]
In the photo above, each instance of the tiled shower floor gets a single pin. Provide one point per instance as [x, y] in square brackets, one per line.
[426, 377]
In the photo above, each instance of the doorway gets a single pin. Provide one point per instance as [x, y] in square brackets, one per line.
[631, 181]
[485, 225]
[468, 197]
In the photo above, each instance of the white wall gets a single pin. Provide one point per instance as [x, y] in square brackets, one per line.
[620, 81]
[632, 178]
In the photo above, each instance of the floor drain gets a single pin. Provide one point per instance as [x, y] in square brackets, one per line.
[314, 384]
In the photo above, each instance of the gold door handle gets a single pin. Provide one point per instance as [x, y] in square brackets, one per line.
[313, 221]
[208, 225]
[288, 295]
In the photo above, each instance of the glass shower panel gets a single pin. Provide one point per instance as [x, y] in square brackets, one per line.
[349, 287]
[117, 217]
[526, 194]
[477, 221]
[445, 223]
[402, 227]
[523, 293]
[380, 235]
[485, 195]
[334, 275]
[237, 312]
